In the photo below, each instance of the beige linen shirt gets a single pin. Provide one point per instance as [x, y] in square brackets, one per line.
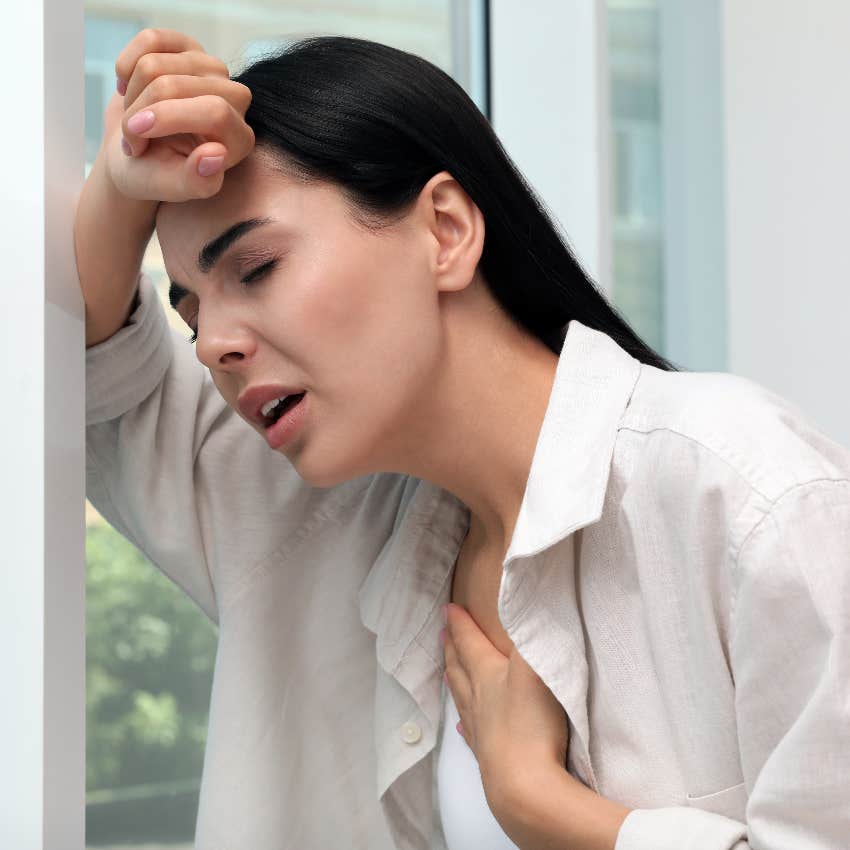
[678, 577]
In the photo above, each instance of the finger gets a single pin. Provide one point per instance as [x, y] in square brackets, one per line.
[195, 63]
[461, 688]
[207, 115]
[176, 86]
[184, 86]
[206, 185]
[151, 40]
[169, 176]
[112, 115]
[456, 676]
[473, 646]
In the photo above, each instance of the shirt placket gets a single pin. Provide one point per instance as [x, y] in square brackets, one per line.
[401, 603]
[408, 711]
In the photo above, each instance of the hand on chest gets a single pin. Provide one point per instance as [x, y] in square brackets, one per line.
[475, 587]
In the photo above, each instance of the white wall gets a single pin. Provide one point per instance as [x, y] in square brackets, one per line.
[787, 153]
[42, 440]
[757, 174]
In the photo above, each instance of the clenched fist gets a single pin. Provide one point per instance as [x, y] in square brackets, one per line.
[180, 123]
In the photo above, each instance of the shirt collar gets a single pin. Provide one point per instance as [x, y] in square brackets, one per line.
[569, 471]
[565, 491]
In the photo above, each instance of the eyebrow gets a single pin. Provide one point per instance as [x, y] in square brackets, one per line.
[212, 252]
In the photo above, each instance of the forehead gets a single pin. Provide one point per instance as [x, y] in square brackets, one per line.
[254, 188]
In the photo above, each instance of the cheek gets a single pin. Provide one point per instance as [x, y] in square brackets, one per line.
[365, 310]
[372, 333]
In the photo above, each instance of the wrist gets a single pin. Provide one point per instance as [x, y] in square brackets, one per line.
[526, 793]
[137, 214]
[512, 781]
[551, 808]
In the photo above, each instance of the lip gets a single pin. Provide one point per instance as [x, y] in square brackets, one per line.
[251, 401]
[284, 430]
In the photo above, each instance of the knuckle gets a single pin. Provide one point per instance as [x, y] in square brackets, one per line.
[147, 65]
[250, 138]
[219, 65]
[149, 37]
[244, 94]
[163, 88]
[213, 64]
[219, 113]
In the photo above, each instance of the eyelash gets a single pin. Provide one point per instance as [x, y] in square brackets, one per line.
[248, 280]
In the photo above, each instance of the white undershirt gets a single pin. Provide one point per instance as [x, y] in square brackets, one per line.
[468, 822]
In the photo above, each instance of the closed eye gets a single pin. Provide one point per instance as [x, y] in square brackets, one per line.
[260, 271]
[252, 277]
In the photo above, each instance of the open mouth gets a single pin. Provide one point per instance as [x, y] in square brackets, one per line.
[282, 407]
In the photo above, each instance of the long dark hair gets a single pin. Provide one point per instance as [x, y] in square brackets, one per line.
[379, 123]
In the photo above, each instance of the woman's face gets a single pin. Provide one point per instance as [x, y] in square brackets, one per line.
[350, 315]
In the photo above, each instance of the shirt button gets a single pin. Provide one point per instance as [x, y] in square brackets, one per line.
[411, 732]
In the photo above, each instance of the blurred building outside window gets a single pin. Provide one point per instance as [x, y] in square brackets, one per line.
[636, 173]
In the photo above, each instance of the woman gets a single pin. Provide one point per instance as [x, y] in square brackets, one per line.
[644, 571]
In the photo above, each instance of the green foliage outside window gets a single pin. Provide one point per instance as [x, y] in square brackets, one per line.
[150, 656]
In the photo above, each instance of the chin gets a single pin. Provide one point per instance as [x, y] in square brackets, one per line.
[335, 458]
[322, 476]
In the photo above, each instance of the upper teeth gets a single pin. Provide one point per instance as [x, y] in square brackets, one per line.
[267, 408]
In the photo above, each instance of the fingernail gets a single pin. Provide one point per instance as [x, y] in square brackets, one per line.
[120, 85]
[141, 121]
[459, 727]
[125, 146]
[209, 165]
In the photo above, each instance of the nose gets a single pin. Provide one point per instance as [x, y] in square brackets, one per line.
[224, 342]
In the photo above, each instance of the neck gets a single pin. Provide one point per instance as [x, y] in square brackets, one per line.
[478, 435]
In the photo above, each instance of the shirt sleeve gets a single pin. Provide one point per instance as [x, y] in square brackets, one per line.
[790, 658]
[175, 469]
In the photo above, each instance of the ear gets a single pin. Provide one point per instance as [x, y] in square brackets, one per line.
[455, 228]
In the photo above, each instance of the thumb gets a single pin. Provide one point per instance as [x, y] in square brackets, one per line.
[211, 158]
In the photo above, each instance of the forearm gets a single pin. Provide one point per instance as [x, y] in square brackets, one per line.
[557, 812]
[111, 233]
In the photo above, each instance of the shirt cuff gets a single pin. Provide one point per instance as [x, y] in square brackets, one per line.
[680, 828]
[124, 370]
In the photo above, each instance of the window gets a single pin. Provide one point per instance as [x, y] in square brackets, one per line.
[150, 651]
[636, 187]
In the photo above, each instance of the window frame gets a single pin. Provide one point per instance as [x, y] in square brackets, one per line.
[550, 83]
[42, 604]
